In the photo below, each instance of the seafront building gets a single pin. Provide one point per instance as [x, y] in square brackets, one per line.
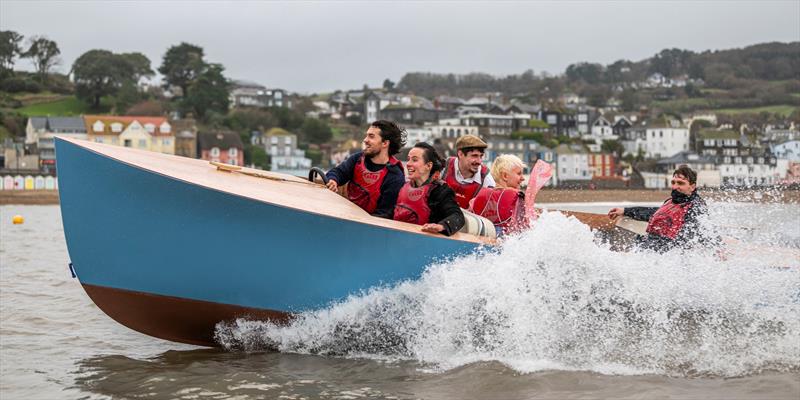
[40, 132]
[146, 133]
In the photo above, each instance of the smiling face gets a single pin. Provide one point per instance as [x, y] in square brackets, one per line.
[374, 143]
[418, 169]
[513, 178]
[681, 184]
[470, 163]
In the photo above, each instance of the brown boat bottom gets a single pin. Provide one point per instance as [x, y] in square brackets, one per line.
[173, 318]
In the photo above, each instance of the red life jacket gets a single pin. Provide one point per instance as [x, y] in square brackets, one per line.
[412, 203]
[668, 219]
[503, 206]
[464, 191]
[365, 187]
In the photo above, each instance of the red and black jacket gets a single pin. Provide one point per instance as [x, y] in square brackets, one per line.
[432, 202]
[505, 207]
[373, 187]
[464, 192]
[674, 224]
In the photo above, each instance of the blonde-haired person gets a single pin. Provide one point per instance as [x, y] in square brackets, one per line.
[503, 204]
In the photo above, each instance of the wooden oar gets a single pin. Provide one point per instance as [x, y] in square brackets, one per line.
[237, 169]
[599, 222]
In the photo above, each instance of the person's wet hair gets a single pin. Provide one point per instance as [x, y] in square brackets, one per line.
[429, 155]
[391, 132]
[687, 173]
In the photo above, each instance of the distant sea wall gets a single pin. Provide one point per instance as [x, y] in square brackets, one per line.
[45, 196]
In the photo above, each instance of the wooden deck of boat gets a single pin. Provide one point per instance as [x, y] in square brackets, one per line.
[278, 189]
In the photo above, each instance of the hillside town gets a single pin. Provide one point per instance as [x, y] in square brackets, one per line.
[606, 127]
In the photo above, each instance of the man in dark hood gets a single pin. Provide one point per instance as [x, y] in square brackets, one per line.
[675, 223]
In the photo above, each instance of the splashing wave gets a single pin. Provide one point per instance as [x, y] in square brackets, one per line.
[554, 298]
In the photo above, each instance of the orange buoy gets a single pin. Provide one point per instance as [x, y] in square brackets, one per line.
[17, 219]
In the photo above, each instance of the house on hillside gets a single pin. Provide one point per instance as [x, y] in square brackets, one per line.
[147, 133]
[789, 150]
[665, 136]
[374, 102]
[285, 157]
[251, 94]
[221, 146]
[490, 124]
[39, 137]
[572, 164]
[448, 103]
[410, 114]
[185, 137]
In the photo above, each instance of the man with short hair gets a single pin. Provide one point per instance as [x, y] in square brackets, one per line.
[465, 173]
[374, 176]
[675, 223]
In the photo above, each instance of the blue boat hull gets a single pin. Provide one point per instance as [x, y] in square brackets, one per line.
[140, 238]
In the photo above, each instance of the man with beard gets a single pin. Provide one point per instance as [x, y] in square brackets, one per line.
[675, 223]
[466, 174]
[374, 176]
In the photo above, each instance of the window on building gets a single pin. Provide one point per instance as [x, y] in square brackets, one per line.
[214, 152]
[150, 128]
[116, 127]
[287, 140]
[98, 126]
[273, 140]
[165, 128]
[166, 142]
[233, 152]
[128, 143]
[142, 143]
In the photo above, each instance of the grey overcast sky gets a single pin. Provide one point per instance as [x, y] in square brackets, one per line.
[311, 47]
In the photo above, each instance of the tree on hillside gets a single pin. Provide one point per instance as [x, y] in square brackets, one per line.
[44, 54]
[671, 62]
[316, 131]
[140, 64]
[99, 73]
[182, 65]
[612, 147]
[9, 49]
[209, 92]
[250, 119]
[388, 84]
[588, 72]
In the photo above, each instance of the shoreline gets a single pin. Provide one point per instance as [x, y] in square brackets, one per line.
[546, 195]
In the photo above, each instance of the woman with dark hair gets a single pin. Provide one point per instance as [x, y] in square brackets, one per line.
[425, 199]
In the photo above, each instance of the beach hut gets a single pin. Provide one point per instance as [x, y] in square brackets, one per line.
[8, 182]
[50, 183]
[28, 182]
[38, 183]
[19, 182]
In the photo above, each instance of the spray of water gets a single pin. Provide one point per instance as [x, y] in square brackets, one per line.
[555, 298]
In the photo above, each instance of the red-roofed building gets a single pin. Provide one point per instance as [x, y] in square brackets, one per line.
[148, 133]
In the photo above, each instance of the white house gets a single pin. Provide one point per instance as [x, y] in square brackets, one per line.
[572, 163]
[789, 150]
[285, 157]
[664, 137]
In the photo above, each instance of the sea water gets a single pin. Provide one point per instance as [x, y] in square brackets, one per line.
[552, 313]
